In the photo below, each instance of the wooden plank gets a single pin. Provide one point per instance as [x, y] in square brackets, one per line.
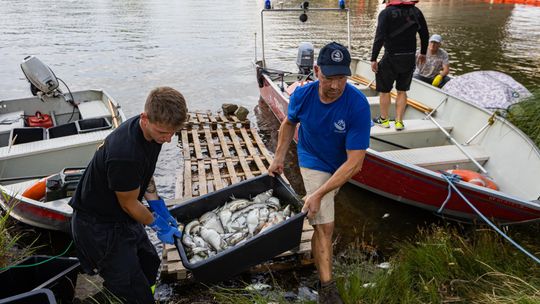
[232, 171]
[197, 144]
[187, 179]
[236, 143]
[261, 146]
[252, 150]
[200, 118]
[203, 188]
[223, 118]
[210, 143]
[218, 183]
[185, 144]
[223, 143]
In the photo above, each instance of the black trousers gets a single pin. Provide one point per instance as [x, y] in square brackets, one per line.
[121, 253]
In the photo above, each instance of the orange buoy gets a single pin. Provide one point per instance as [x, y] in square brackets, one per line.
[475, 178]
[37, 190]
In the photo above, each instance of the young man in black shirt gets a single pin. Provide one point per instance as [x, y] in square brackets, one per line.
[108, 216]
[397, 26]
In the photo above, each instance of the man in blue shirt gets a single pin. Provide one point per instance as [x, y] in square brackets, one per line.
[333, 137]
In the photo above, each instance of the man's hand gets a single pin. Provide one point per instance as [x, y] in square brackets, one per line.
[421, 59]
[159, 207]
[312, 205]
[165, 232]
[276, 167]
[374, 66]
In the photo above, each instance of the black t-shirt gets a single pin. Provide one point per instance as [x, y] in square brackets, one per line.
[397, 26]
[126, 161]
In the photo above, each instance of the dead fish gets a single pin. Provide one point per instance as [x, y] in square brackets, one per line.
[252, 220]
[238, 204]
[262, 197]
[212, 237]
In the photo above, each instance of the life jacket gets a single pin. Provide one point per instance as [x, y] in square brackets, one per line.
[400, 2]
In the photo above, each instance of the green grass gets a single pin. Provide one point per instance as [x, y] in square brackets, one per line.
[10, 251]
[440, 265]
[443, 266]
[526, 116]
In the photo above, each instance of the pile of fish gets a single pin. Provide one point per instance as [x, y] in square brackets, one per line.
[231, 224]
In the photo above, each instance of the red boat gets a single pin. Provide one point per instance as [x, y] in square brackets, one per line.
[497, 164]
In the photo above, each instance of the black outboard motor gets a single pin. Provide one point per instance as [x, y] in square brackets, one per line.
[304, 60]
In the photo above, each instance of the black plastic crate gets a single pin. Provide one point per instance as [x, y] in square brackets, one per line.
[92, 124]
[264, 246]
[59, 275]
[26, 135]
[63, 130]
[42, 296]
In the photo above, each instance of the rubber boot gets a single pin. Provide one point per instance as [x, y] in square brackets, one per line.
[328, 293]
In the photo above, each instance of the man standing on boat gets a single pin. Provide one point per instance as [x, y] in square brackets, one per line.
[436, 68]
[108, 216]
[397, 26]
[333, 137]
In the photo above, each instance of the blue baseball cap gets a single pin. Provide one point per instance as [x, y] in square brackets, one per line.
[334, 59]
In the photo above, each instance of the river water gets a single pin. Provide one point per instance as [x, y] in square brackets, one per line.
[205, 49]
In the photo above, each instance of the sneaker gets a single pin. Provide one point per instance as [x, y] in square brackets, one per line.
[399, 125]
[328, 294]
[385, 123]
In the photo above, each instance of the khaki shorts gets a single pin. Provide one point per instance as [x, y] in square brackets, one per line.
[313, 179]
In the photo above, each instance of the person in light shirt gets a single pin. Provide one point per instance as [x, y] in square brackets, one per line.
[436, 68]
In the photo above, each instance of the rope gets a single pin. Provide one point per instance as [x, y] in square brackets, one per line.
[450, 181]
[39, 263]
[453, 178]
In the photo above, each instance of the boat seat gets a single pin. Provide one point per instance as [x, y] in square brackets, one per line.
[440, 157]
[93, 109]
[418, 133]
[9, 121]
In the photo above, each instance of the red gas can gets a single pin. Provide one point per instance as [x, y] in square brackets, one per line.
[39, 120]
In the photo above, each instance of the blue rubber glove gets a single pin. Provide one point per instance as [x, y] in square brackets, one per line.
[160, 208]
[165, 232]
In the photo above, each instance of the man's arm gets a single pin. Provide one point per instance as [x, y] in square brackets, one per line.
[423, 32]
[151, 191]
[378, 42]
[346, 171]
[445, 70]
[129, 202]
[286, 134]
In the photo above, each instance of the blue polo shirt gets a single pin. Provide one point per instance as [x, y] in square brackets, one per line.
[328, 130]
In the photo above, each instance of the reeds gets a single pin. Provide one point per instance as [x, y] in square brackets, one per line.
[443, 266]
[10, 252]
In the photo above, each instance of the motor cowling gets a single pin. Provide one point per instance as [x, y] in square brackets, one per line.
[39, 75]
[305, 58]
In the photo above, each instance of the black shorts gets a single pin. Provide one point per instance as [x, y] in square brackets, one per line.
[395, 67]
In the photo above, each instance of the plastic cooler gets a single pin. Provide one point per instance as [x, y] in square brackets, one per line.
[41, 296]
[264, 246]
[58, 275]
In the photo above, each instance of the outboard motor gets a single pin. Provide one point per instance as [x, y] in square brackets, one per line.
[40, 76]
[304, 60]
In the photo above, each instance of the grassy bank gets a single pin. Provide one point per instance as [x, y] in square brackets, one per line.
[440, 265]
[443, 265]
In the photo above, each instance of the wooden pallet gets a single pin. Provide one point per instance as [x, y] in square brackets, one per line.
[219, 151]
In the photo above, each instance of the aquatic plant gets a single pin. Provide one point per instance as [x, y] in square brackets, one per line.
[526, 115]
